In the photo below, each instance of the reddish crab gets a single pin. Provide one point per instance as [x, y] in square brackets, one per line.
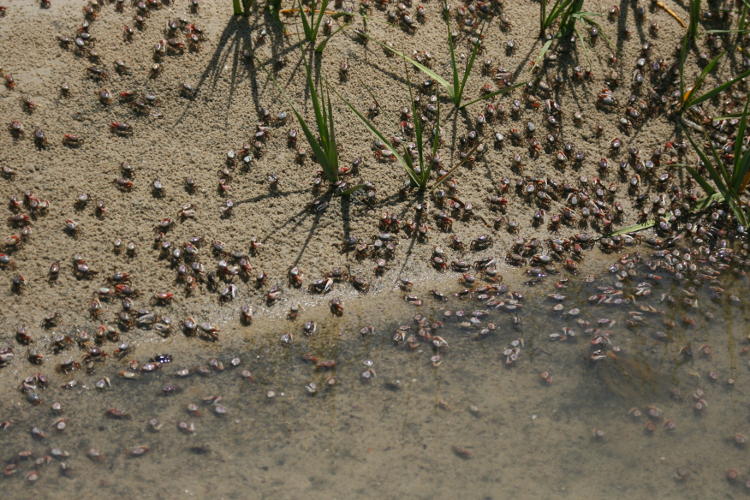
[162, 298]
[10, 82]
[121, 128]
[72, 141]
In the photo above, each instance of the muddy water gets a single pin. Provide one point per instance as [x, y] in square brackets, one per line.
[663, 414]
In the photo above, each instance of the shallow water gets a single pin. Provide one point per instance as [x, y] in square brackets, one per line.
[470, 426]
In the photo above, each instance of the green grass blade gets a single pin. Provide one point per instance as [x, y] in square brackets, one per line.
[700, 206]
[742, 216]
[719, 89]
[737, 210]
[273, 7]
[742, 21]
[436, 132]
[406, 164]
[421, 67]
[453, 169]
[557, 9]
[418, 134]
[321, 13]
[726, 117]
[738, 30]
[708, 188]
[484, 97]
[585, 17]
[467, 73]
[427, 71]
[698, 84]
[738, 174]
[720, 166]
[320, 118]
[562, 13]
[454, 68]
[567, 25]
[332, 150]
[712, 172]
[320, 155]
[424, 171]
[707, 201]
[322, 45]
[575, 9]
[585, 14]
[542, 52]
[324, 144]
[743, 166]
[237, 7]
[635, 228]
[542, 15]
[305, 22]
[695, 14]
[353, 189]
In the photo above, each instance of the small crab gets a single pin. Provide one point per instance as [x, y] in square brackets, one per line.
[481, 243]
[121, 128]
[72, 140]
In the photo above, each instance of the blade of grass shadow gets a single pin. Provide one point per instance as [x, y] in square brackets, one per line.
[689, 40]
[492, 94]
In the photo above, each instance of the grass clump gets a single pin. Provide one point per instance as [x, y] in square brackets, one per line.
[724, 183]
[691, 96]
[311, 19]
[564, 13]
[418, 166]
[323, 144]
[418, 169]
